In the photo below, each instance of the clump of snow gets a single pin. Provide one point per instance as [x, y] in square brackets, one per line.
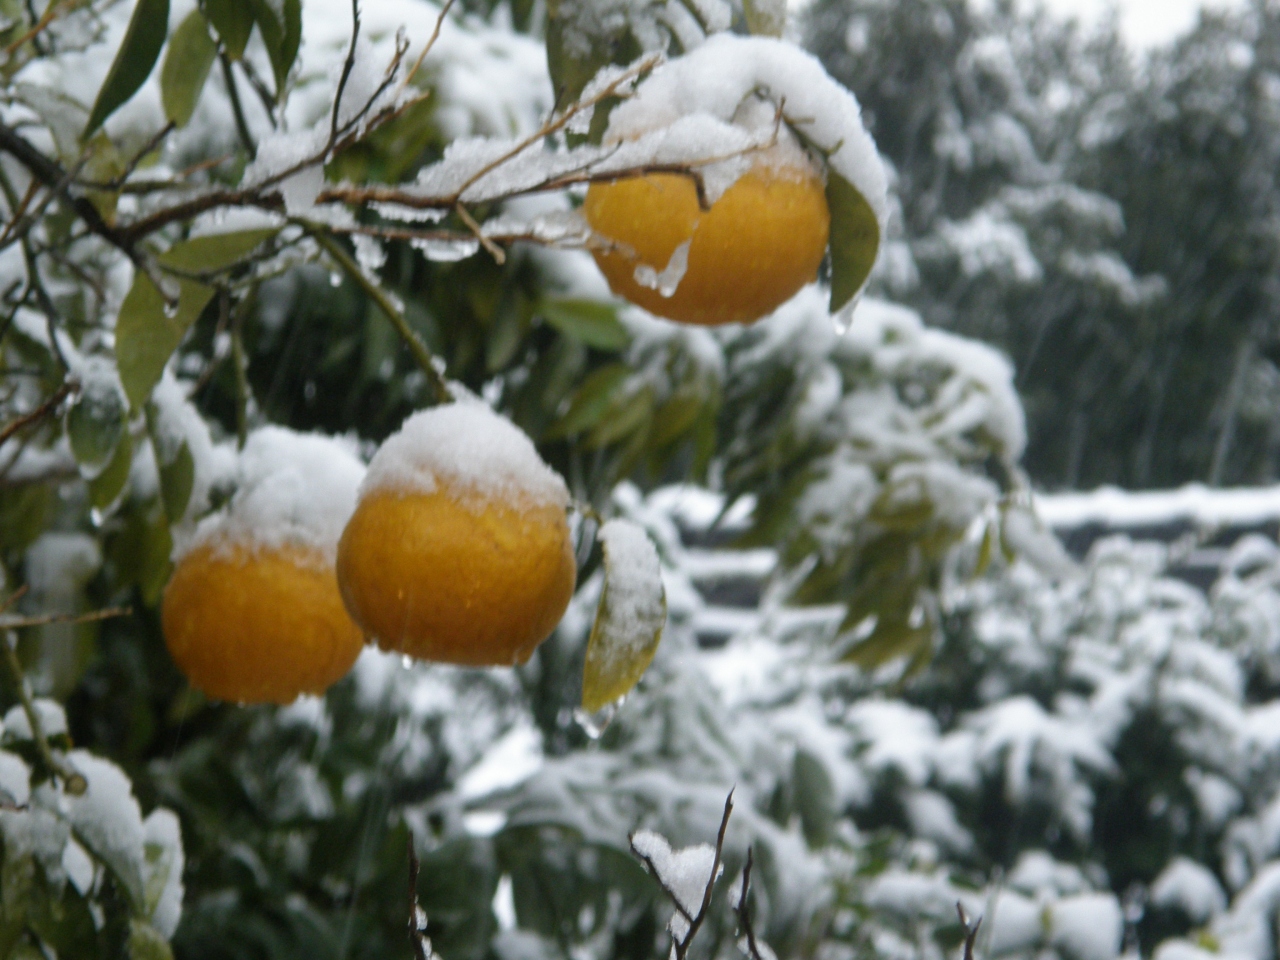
[291, 489]
[53, 720]
[633, 583]
[684, 873]
[727, 71]
[15, 780]
[1191, 887]
[107, 818]
[468, 449]
[1088, 926]
[61, 563]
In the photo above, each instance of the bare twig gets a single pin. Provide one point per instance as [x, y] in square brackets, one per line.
[51, 13]
[347, 66]
[743, 910]
[495, 251]
[680, 945]
[45, 302]
[422, 949]
[431, 42]
[93, 616]
[970, 930]
[68, 387]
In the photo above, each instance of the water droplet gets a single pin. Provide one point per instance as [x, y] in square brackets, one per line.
[406, 661]
[843, 320]
[171, 308]
[96, 517]
[335, 278]
[595, 724]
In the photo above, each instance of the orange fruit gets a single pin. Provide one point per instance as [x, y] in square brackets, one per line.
[257, 624]
[757, 245]
[459, 549]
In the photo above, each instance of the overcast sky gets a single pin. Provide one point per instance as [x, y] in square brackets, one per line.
[1145, 22]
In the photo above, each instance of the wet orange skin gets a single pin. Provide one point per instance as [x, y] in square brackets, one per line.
[757, 245]
[258, 625]
[477, 583]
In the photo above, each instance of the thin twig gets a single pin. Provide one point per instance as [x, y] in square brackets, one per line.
[68, 387]
[19, 623]
[680, 945]
[417, 918]
[495, 251]
[435, 35]
[439, 389]
[347, 66]
[45, 302]
[51, 13]
[970, 930]
[743, 910]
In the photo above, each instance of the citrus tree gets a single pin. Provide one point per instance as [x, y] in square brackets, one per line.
[304, 346]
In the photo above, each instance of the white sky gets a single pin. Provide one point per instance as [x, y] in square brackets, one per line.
[1145, 22]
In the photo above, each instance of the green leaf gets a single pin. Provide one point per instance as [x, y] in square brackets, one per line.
[629, 414]
[629, 619]
[890, 640]
[233, 21]
[146, 334]
[765, 18]
[143, 39]
[280, 37]
[855, 239]
[146, 943]
[676, 416]
[186, 67]
[815, 798]
[985, 550]
[95, 423]
[105, 489]
[24, 511]
[591, 401]
[177, 479]
[589, 321]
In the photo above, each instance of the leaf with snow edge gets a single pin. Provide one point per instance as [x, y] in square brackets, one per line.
[146, 335]
[106, 819]
[105, 489]
[890, 640]
[233, 21]
[163, 865]
[591, 401]
[186, 68]
[96, 422]
[630, 618]
[594, 323]
[143, 39]
[854, 240]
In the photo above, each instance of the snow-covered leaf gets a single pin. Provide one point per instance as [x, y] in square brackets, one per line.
[630, 618]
